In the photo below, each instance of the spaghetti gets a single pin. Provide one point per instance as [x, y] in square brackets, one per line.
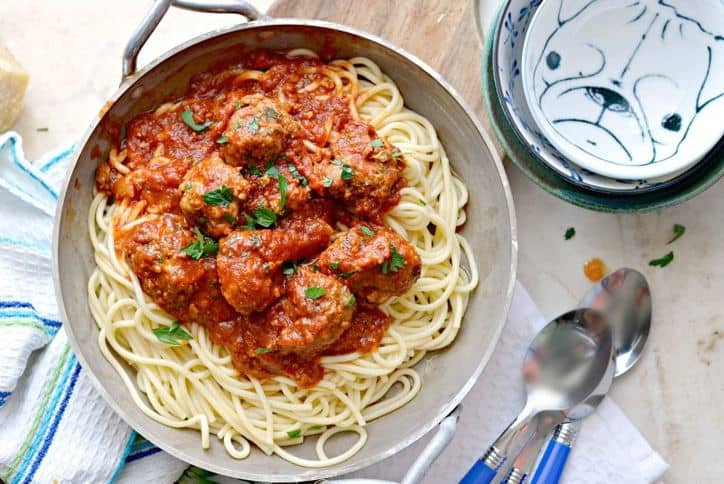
[196, 385]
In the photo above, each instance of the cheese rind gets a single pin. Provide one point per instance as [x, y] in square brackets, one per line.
[13, 83]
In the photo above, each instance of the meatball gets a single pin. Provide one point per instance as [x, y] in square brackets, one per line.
[250, 279]
[185, 288]
[210, 195]
[257, 131]
[250, 261]
[366, 172]
[375, 262]
[317, 309]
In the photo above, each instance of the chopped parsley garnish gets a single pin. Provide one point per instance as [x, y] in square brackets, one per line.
[282, 192]
[345, 275]
[366, 230]
[298, 176]
[250, 223]
[334, 265]
[270, 114]
[264, 217]
[253, 125]
[221, 196]
[293, 434]
[289, 268]
[315, 267]
[254, 170]
[327, 182]
[570, 232]
[347, 173]
[678, 232]
[377, 143]
[41, 130]
[316, 427]
[662, 262]
[395, 262]
[271, 170]
[421, 202]
[336, 162]
[203, 247]
[222, 140]
[188, 187]
[172, 334]
[262, 350]
[188, 118]
[237, 105]
[314, 292]
[351, 300]
[229, 218]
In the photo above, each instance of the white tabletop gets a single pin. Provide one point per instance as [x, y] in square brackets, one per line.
[72, 50]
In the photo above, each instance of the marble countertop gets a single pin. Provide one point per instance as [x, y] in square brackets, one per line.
[72, 50]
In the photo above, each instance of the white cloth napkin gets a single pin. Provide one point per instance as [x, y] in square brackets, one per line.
[54, 427]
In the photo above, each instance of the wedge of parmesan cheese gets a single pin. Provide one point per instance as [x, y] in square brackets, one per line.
[13, 82]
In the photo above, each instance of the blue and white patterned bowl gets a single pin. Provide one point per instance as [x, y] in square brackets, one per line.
[509, 34]
[627, 89]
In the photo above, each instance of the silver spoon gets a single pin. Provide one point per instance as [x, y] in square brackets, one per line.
[624, 297]
[564, 365]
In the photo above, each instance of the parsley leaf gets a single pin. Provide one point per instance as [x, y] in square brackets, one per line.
[293, 434]
[336, 162]
[347, 173]
[334, 265]
[253, 125]
[421, 202]
[662, 262]
[271, 170]
[203, 247]
[282, 192]
[366, 230]
[221, 196]
[172, 334]
[264, 216]
[262, 350]
[678, 232]
[385, 267]
[351, 300]
[188, 118]
[345, 275]
[327, 182]
[298, 176]
[570, 232]
[377, 143]
[250, 223]
[237, 105]
[41, 130]
[397, 261]
[314, 292]
[229, 218]
[254, 170]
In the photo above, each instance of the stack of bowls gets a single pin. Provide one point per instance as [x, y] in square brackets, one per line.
[613, 105]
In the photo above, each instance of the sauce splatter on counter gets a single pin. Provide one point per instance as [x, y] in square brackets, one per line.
[595, 269]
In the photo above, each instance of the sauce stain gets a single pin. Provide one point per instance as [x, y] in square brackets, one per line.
[594, 269]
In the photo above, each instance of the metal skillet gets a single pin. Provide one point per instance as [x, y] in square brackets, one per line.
[447, 375]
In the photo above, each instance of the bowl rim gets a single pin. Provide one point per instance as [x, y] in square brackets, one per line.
[507, 293]
[606, 168]
[561, 187]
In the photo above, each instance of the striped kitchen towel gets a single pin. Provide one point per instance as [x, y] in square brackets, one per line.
[54, 426]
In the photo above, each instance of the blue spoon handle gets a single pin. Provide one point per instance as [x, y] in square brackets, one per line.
[479, 473]
[551, 465]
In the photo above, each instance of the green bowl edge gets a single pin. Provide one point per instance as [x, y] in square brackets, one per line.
[543, 176]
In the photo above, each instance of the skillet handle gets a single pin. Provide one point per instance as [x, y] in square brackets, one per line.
[159, 9]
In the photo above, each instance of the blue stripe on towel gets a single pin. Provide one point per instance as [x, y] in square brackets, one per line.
[4, 397]
[29, 312]
[54, 426]
[122, 461]
[24, 169]
[38, 246]
[58, 158]
[52, 408]
[141, 455]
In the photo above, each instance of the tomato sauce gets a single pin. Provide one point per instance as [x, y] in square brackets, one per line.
[244, 179]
